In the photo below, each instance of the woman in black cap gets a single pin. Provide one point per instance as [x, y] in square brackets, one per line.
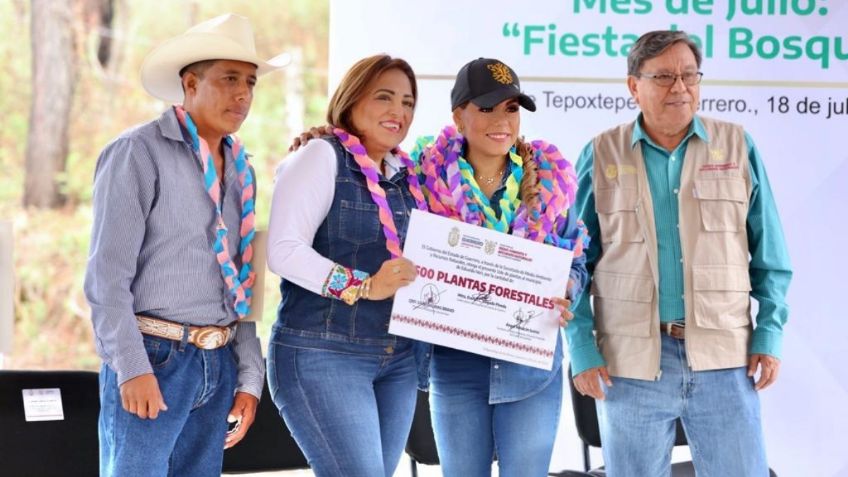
[484, 406]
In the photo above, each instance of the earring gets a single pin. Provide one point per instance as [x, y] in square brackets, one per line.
[459, 129]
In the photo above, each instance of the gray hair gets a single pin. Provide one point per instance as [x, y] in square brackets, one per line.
[653, 44]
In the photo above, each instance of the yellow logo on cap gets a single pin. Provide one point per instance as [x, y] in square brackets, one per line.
[500, 72]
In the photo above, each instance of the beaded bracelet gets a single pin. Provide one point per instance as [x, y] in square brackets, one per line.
[344, 284]
[366, 288]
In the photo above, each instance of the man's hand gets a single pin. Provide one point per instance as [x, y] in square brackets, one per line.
[306, 136]
[243, 413]
[141, 396]
[588, 382]
[769, 367]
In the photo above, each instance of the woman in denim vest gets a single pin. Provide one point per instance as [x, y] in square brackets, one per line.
[346, 387]
[482, 407]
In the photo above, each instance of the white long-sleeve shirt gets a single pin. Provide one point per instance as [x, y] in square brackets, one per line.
[304, 188]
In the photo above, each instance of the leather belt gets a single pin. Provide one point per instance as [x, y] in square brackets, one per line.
[204, 337]
[673, 329]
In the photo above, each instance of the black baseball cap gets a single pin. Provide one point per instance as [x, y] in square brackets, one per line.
[487, 82]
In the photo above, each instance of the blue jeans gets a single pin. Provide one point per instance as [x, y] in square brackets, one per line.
[469, 430]
[349, 413]
[720, 411]
[187, 440]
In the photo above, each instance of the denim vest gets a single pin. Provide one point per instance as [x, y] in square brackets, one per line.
[352, 236]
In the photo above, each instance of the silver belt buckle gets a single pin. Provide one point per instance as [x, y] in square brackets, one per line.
[671, 325]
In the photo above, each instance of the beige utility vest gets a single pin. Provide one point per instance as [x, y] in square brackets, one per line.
[715, 187]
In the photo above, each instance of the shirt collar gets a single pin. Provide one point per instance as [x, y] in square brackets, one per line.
[170, 127]
[696, 128]
[394, 164]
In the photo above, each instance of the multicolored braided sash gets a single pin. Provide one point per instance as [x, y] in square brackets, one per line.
[239, 282]
[372, 179]
[451, 191]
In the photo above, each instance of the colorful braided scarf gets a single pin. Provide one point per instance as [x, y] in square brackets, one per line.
[451, 191]
[239, 283]
[372, 179]
[454, 192]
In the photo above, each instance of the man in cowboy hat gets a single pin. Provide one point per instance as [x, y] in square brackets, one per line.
[169, 268]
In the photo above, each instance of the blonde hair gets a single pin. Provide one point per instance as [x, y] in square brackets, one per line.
[528, 190]
[355, 85]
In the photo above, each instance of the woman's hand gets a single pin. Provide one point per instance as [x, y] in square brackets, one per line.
[565, 315]
[393, 274]
[563, 305]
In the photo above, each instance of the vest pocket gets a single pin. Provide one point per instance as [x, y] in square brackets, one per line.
[617, 215]
[722, 203]
[722, 296]
[359, 222]
[623, 304]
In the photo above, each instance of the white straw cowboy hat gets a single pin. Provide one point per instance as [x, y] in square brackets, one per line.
[226, 37]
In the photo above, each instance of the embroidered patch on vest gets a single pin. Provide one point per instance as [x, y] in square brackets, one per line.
[716, 155]
[612, 171]
[719, 167]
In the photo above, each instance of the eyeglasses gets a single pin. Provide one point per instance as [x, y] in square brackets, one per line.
[666, 79]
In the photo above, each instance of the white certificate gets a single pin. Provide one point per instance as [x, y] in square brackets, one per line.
[481, 291]
[43, 404]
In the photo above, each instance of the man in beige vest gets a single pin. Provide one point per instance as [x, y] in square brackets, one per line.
[684, 231]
